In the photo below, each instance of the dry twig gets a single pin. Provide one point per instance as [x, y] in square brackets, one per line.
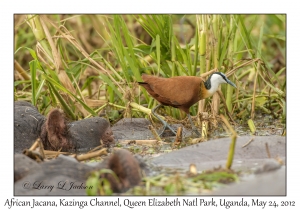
[267, 149]
[248, 143]
[178, 138]
[91, 155]
[140, 142]
[155, 134]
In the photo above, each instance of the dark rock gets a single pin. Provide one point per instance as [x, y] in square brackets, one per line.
[67, 166]
[132, 129]
[87, 133]
[27, 125]
[24, 166]
[138, 129]
[24, 103]
[41, 184]
[53, 176]
[55, 132]
[66, 176]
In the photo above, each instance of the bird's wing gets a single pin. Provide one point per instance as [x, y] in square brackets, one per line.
[173, 91]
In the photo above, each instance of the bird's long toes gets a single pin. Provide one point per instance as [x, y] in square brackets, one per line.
[163, 130]
[172, 130]
[161, 133]
[196, 132]
[169, 127]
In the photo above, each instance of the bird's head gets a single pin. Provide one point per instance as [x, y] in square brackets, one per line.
[214, 80]
[219, 78]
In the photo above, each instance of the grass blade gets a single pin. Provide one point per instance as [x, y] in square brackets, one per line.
[33, 65]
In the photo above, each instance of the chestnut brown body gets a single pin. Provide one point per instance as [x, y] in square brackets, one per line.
[180, 92]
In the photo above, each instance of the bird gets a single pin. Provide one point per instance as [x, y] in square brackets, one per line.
[181, 92]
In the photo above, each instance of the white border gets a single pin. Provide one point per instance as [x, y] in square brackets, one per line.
[154, 6]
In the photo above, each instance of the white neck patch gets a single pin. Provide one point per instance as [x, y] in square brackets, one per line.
[215, 81]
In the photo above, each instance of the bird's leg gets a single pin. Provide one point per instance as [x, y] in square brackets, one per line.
[161, 120]
[193, 126]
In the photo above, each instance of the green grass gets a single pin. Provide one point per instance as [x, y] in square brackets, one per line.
[72, 58]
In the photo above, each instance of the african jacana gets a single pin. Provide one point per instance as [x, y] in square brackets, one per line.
[182, 92]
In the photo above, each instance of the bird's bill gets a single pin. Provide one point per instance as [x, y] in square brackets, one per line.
[231, 83]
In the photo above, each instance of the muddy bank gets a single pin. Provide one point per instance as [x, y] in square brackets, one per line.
[214, 153]
[260, 175]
